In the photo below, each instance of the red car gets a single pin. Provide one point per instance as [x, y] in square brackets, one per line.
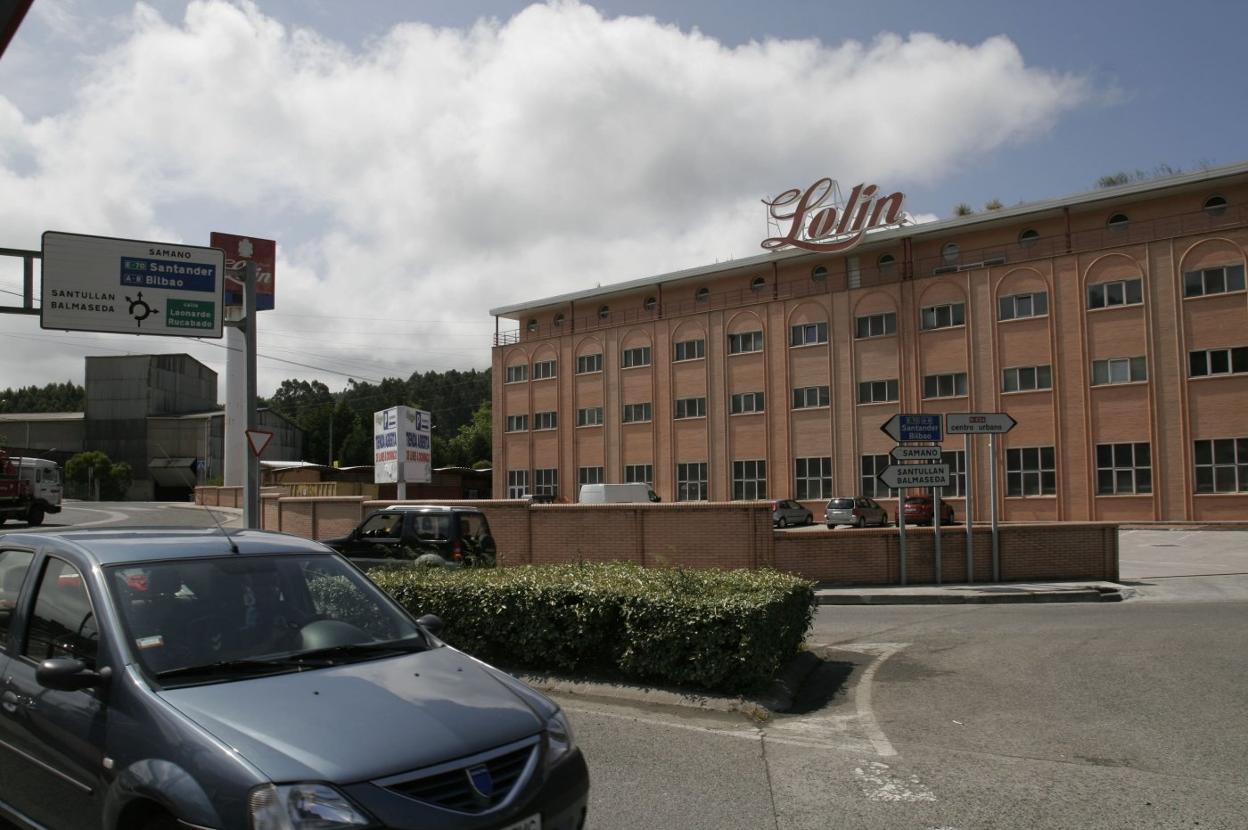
[919, 511]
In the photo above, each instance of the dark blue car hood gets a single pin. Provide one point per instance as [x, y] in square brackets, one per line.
[362, 720]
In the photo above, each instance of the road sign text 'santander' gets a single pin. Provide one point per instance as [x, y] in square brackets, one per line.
[816, 227]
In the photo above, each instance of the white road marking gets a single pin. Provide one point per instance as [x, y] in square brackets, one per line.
[749, 733]
[112, 516]
[880, 783]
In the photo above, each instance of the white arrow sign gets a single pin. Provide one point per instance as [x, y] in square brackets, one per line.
[915, 453]
[978, 423]
[915, 475]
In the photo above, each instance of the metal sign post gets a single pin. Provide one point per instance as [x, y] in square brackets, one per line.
[902, 476]
[904, 428]
[991, 424]
[969, 466]
[251, 517]
[992, 506]
[936, 533]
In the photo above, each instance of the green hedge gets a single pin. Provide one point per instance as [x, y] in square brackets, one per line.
[704, 629]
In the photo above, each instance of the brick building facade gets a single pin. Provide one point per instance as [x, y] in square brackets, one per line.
[1112, 325]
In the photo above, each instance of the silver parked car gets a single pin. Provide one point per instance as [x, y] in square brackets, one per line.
[786, 513]
[858, 512]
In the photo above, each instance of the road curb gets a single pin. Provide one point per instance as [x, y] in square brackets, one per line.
[946, 598]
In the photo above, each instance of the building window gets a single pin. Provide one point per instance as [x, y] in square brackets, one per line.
[949, 253]
[650, 304]
[531, 326]
[544, 420]
[1027, 378]
[956, 487]
[691, 408]
[518, 374]
[517, 423]
[543, 369]
[944, 386]
[869, 484]
[517, 484]
[877, 325]
[1028, 238]
[749, 480]
[808, 334]
[1030, 471]
[639, 474]
[558, 321]
[1120, 292]
[813, 477]
[877, 391]
[1215, 206]
[604, 312]
[943, 316]
[1218, 362]
[1222, 465]
[807, 397]
[1119, 370]
[691, 482]
[587, 363]
[1118, 222]
[819, 274]
[635, 357]
[885, 263]
[546, 483]
[746, 341]
[758, 284]
[1123, 468]
[691, 350]
[589, 475]
[1221, 280]
[635, 413]
[744, 402]
[590, 416]
[701, 295]
[1016, 306]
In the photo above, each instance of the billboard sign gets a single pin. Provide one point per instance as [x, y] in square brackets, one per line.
[816, 224]
[98, 283]
[240, 249]
[402, 446]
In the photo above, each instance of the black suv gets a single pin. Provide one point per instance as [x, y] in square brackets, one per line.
[424, 534]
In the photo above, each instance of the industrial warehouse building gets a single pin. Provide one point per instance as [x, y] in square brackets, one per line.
[1112, 325]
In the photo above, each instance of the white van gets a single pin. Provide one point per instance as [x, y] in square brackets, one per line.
[616, 493]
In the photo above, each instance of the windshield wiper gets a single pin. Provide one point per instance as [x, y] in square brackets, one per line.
[228, 667]
[406, 644]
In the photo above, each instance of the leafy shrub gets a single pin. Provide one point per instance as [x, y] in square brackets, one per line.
[705, 629]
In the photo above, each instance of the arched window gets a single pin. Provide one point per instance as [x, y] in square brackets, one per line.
[1118, 222]
[886, 262]
[650, 304]
[1028, 238]
[757, 284]
[819, 274]
[702, 295]
[604, 313]
[949, 253]
[558, 321]
[1215, 206]
[531, 325]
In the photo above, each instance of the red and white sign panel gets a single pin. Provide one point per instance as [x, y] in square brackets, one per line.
[240, 249]
[258, 439]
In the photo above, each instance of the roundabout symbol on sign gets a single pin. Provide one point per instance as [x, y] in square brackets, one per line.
[145, 310]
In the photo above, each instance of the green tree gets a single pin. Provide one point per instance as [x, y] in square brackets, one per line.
[472, 444]
[357, 444]
[55, 397]
[99, 476]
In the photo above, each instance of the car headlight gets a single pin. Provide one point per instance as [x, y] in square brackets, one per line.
[302, 807]
[559, 738]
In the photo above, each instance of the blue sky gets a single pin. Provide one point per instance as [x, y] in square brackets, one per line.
[421, 162]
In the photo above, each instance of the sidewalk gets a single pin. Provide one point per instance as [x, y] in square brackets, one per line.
[980, 592]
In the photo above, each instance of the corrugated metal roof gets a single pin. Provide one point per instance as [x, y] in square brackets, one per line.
[42, 416]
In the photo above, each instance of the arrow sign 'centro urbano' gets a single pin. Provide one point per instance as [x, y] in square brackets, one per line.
[915, 453]
[902, 428]
[915, 475]
[963, 423]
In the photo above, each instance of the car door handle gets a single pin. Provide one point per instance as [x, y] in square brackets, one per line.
[9, 701]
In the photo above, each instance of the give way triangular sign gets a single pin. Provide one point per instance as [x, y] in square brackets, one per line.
[258, 439]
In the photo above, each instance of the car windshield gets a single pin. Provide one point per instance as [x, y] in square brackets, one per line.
[841, 504]
[261, 612]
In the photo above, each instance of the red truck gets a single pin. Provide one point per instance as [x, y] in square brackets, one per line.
[30, 488]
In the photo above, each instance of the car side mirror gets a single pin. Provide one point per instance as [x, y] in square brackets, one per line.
[431, 623]
[67, 674]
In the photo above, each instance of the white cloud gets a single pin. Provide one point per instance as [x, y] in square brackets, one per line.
[440, 172]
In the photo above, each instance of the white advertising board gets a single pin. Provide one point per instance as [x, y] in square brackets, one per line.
[96, 283]
[402, 446]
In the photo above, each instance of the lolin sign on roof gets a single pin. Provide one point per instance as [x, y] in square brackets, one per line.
[816, 224]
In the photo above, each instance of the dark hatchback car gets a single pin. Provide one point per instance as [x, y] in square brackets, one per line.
[424, 534]
[160, 679]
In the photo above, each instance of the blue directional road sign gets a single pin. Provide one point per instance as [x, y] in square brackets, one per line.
[914, 427]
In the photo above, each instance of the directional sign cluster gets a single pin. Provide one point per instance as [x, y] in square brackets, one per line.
[926, 428]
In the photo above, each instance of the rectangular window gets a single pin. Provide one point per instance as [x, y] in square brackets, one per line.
[635, 413]
[546, 483]
[590, 416]
[1222, 465]
[1030, 471]
[587, 363]
[1119, 370]
[517, 423]
[1233, 361]
[1027, 378]
[943, 316]
[589, 475]
[1219, 280]
[1120, 292]
[876, 325]
[944, 386]
[869, 484]
[691, 408]
[517, 484]
[749, 480]
[1123, 468]
[813, 477]
[877, 391]
[543, 369]
[811, 396]
[63, 623]
[639, 474]
[747, 402]
[746, 341]
[691, 482]
[807, 334]
[1016, 306]
[518, 374]
[957, 471]
[691, 350]
[17, 563]
[544, 420]
[635, 357]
